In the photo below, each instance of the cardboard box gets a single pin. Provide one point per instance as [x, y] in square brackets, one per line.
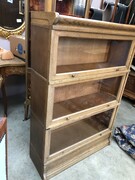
[17, 45]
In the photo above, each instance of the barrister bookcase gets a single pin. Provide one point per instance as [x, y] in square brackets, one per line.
[79, 71]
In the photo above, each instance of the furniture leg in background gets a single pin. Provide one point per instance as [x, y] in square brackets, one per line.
[7, 68]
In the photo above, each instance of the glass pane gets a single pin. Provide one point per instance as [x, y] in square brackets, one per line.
[74, 98]
[74, 133]
[77, 54]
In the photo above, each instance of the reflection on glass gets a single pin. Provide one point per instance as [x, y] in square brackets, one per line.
[36, 5]
[74, 98]
[80, 54]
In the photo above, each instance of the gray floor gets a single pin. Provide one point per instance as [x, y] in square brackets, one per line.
[110, 163]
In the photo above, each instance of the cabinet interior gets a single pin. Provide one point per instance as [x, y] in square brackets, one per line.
[68, 135]
[78, 54]
[74, 98]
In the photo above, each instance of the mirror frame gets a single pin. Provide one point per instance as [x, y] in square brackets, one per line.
[6, 33]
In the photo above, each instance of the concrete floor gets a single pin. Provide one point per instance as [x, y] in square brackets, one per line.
[110, 163]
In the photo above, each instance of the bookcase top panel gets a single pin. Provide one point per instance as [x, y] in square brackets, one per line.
[57, 21]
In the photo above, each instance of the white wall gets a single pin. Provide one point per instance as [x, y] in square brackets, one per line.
[4, 43]
[96, 3]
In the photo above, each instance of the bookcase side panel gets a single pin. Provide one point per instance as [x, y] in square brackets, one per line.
[40, 48]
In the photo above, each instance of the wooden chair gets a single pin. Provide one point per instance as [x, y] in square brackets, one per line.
[97, 14]
[120, 12]
[106, 12]
[3, 150]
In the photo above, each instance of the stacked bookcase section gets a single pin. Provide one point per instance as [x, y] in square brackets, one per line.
[79, 71]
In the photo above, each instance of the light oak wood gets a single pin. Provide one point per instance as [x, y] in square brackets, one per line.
[73, 22]
[53, 167]
[79, 72]
[71, 134]
[81, 103]
[68, 119]
[83, 76]
[76, 90]
[67, 164]
[78, 146]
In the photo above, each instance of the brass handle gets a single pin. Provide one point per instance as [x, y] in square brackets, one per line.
[67, 118]
[73, 75]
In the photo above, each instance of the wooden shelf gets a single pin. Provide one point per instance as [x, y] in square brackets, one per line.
[78, 54]
[80, 103]
[82, 67]
[77, 97]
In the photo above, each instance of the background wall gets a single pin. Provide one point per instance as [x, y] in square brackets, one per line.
[96, 3]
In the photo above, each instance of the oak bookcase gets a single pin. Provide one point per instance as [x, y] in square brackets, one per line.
[79, 71]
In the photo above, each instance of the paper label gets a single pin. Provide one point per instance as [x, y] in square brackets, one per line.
[18, 20]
